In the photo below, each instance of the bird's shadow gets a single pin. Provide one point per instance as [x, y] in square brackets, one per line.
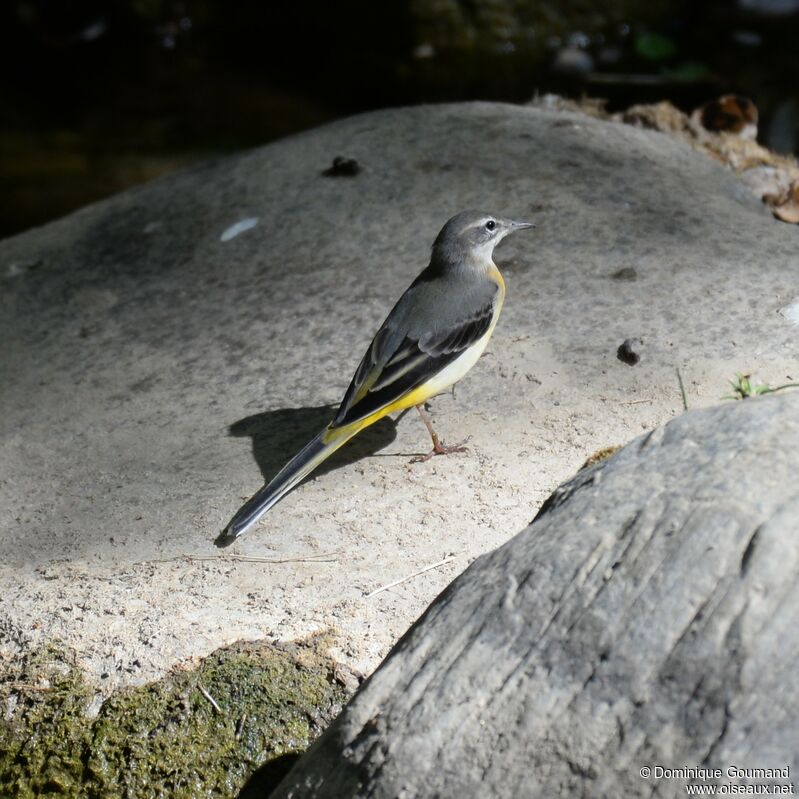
[278, 435]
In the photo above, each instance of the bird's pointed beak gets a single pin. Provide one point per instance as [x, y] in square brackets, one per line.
[514, 226]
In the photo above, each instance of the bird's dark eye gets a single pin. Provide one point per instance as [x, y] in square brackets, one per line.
[491, 224]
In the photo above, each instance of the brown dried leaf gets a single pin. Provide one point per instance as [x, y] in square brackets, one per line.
[730, 113]
[788, 211]
[661, 116]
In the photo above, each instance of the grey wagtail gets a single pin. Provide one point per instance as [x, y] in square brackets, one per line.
[430, 340]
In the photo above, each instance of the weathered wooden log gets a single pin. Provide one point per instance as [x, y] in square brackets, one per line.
[647, 619]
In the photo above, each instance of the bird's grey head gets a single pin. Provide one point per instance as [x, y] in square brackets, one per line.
[469, 238]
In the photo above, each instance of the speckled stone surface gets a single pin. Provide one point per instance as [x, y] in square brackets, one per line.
[153, 374]
[646, 619]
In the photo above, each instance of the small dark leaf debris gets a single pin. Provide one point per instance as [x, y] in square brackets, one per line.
[343, 168]
[629, 351]
[625, 273]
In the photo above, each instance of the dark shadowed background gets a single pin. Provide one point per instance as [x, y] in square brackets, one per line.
[97, 96]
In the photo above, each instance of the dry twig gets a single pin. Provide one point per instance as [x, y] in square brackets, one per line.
[209, 698]
[410, 576]
[322, 557]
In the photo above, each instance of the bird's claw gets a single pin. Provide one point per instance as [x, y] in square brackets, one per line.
[442, 449]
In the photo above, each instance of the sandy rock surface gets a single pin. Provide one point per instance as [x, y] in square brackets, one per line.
[157, 364]
[647, 618]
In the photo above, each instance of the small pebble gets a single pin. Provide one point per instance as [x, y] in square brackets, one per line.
[629, 351]
[343, 168]
[626, 273]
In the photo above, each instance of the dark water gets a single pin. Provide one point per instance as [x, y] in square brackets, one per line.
[97, 96]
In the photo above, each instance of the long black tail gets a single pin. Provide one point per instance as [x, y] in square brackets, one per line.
[299, 467]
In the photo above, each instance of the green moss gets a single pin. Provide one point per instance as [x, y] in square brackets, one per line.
[165, 738]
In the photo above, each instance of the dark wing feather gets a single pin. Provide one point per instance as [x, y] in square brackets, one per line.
[411, 365]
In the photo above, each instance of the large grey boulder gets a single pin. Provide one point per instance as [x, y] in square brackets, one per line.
[647, 619]
[154, 369]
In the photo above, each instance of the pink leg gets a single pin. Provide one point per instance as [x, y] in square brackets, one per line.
[438, 447]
